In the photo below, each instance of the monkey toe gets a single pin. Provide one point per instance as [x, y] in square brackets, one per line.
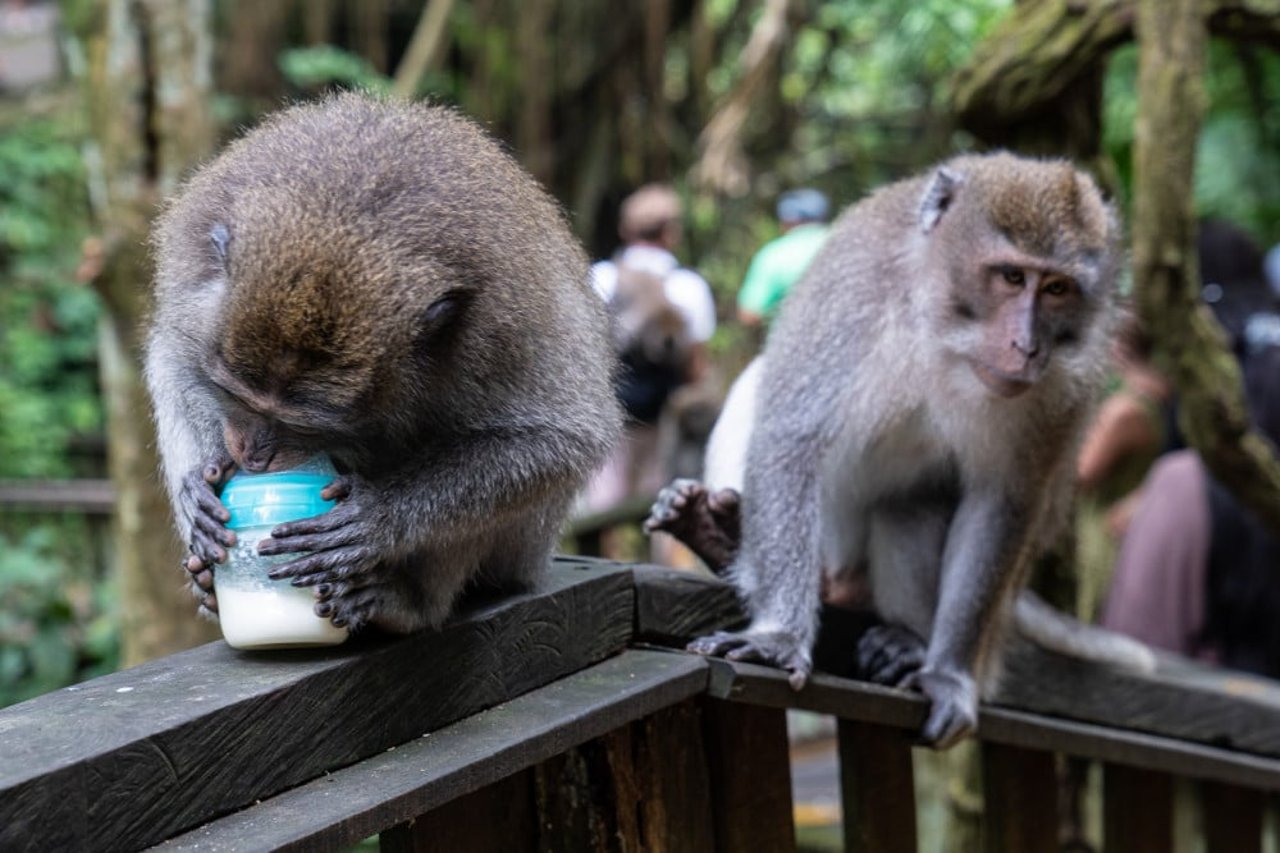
[953, 708]
[775, 648]
[889, 654]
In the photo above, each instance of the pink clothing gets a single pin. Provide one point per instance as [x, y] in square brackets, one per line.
[1159, 589]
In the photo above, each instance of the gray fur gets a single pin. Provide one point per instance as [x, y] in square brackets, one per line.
[463, 445]
[875, 447]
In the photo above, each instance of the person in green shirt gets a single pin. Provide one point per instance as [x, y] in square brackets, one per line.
[780, 262]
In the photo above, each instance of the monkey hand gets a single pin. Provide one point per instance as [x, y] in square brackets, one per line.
[708, 522]
[341, 552]
[890, 654]
[777, 648]
[207, 517]
[953, 705]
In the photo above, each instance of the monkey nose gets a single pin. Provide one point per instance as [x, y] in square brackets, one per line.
[1030, 349]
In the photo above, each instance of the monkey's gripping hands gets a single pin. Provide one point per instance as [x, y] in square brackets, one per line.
[206, 518]
[344, 548]
[777, 648]
[953, 705]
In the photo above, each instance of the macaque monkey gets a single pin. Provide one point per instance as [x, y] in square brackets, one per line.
[916, 414]
[379, 282]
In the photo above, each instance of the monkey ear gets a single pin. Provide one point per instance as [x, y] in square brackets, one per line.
[220, 236]
[938, 195]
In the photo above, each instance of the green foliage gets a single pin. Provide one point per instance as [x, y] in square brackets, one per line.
[48, 379]
[57, 625]
[324, 66]
[1238, 159]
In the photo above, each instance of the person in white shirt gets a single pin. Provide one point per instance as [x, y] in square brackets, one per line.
[651, 231]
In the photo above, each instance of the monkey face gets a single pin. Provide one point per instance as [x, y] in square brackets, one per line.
[1024, 309]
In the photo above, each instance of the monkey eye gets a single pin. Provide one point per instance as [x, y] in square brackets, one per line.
[1013, 276]
[1057, 287]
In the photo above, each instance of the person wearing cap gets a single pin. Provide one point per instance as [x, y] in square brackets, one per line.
[779, 263]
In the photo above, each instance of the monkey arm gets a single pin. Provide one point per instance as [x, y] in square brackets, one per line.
[985, 549]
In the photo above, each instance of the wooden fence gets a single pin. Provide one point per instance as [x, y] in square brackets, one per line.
[564, 719]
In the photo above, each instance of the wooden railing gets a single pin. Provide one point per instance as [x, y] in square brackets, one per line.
[564, 719]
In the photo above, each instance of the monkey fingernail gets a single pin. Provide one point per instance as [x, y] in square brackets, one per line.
[324, 590]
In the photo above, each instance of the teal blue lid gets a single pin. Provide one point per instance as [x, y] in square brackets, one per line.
[257, 500]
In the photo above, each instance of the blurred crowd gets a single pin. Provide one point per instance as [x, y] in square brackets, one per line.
[1161, 550]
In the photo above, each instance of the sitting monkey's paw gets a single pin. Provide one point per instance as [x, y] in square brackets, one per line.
[343, 549]
[709, 523]
[890, 654]
[953, 706]
[776, 648]
[198, 500]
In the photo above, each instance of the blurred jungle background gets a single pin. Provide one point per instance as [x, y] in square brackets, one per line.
[106, 104]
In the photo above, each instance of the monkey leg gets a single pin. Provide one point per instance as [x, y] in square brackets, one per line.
[708, 522]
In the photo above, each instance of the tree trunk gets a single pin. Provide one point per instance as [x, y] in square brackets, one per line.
[1189, 343]
[148, 96]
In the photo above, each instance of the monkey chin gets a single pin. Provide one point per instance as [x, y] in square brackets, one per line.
[1000, 384]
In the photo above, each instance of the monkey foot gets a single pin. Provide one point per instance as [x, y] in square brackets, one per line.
[776, 648]
[953, 706]
[890, 654]
[708, 522]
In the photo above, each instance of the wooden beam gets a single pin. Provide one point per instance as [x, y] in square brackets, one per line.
[132, 758]
[398, 785]
[858, 700]
[1232, 818]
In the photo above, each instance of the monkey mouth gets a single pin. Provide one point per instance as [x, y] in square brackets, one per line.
[998, 382]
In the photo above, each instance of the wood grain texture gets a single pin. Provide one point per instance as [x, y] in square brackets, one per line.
[877, 788]
[132, 758]
[1020, 796]
[1181, 699]
[858, 700]
[1137, 810]
[395, 786]
[750, 773]
[1232, 818]
[675, 606]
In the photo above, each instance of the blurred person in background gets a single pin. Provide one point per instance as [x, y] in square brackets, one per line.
[803, 215]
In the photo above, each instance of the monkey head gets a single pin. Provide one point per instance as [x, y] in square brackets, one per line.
[1026, 253]
[315, 337]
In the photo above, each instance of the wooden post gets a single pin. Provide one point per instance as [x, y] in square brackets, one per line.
[750, 775]
[1020, 792]
[1137, 812]
[497, 817]
[877, 788]
[1232, 818]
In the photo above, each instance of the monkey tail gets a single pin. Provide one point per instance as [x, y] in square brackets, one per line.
[1057, 632]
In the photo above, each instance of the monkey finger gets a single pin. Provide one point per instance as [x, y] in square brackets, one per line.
[338, 564]
[216, 470]
[714, 645]
[340, 516]
[206, 550]
[209, 606]
[297, 544]
[207, 503]
[204, 580]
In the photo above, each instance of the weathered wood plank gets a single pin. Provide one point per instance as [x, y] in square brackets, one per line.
[134, 757]
[1232, 818]
[91, 497]
[1181, 699]
[877, 788]
[1137, 810]
[675, 606]
[499, 816]
[858, 700]
[750, 772]
[355, 802]
[1020, 793]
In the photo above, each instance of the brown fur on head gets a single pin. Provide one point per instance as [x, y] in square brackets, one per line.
[1028, 251]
